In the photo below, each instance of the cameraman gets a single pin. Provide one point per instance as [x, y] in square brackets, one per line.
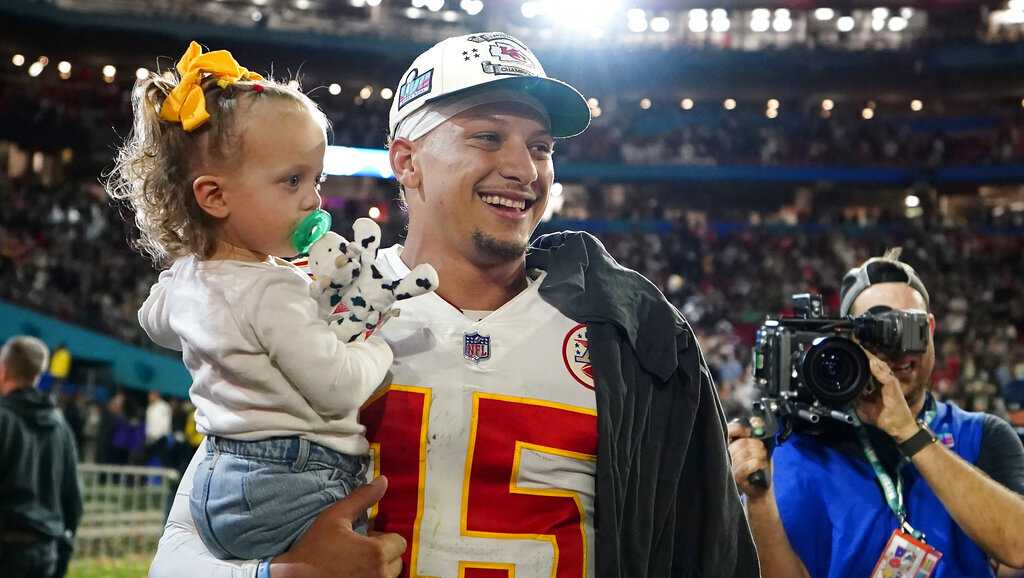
[825, 512]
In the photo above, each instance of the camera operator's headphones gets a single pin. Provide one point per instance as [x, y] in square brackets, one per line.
[885, 269]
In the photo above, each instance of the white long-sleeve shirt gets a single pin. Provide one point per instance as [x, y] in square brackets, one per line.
[263, 363]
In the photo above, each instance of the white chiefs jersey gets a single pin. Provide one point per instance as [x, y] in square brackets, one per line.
[488, 436]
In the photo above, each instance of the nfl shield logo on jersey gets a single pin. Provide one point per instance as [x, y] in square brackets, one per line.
[476, 347]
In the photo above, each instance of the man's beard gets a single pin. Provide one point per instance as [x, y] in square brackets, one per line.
[497, 250]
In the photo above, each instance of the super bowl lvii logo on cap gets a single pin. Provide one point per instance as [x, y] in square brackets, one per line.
[415, 86]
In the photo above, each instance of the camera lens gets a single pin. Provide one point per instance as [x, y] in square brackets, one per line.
[835, 370]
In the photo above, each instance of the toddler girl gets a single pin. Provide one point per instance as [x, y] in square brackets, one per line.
[221, 168]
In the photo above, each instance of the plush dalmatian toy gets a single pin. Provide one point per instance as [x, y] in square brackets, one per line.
[350, 289]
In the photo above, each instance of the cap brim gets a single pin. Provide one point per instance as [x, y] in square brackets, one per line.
[567, 109]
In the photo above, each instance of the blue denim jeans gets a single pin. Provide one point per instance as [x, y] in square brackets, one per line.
[253, 500]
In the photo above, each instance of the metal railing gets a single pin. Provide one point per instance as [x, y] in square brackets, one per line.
[125, 509]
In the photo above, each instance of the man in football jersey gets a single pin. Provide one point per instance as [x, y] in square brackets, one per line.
[525, 391]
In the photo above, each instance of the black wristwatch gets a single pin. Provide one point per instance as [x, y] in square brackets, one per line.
[917, 442]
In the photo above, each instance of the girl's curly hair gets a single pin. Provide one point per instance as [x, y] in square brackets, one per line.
[155, 166]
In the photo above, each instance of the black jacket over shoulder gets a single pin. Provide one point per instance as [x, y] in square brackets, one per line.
[666, 506]
[38, 467]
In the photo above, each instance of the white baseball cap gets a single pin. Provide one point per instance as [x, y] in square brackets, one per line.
[464, 64]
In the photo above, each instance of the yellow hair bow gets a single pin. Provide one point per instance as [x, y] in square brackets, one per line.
[187, 103]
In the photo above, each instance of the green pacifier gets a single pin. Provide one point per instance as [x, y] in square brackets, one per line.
[310, 229]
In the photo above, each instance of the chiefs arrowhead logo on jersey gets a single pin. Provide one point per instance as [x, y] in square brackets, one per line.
[576, 355]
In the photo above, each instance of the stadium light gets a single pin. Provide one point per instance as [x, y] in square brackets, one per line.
[357, 3]
[334, 89]
[256, 16]
[472, 7]
[771, 112]
[386, 93]
[530, 9]
[450, 16]
[435, 5]
[637, 24]
[773, 103]
[373, 3]
[880, 13]
[783, 13]
[1022, 103]
[720, 23]
[302, 4]
[845, 23]
[698, 20]
[109, 71]
[867, 113]
[878, 25]
[556, 189]
[827, 104]
[686, 104]
[592, 102]
[824, 14]
[596, 113]
[645, 103]
[36, 68]
[141, 73]
[366, 92]
[760, 25]
[659, 24]
[761, 14]
[729, 104]
[719, 14]
[64, 67]
[782, 24]
[898, 24]
[912, 201]
[906, 12]
[18, 60]
[916, 105]
[579, 14]
[374, 212]
[413, 13]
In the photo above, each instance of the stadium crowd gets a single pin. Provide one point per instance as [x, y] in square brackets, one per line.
[88, 118]
[63, 252]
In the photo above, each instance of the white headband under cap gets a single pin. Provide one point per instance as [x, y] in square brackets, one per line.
[433, 114]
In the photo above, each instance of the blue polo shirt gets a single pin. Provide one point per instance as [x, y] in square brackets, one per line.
[836, 517]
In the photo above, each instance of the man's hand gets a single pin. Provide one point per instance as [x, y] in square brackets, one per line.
[886, 408]
[330, 549]
[748, 456]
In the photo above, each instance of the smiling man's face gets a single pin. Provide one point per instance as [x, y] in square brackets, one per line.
[486, 174]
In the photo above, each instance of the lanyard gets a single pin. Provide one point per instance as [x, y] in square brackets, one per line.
[893, 492]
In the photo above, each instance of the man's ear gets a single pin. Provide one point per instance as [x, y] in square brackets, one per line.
[210, 196]
[400, 153]
[931, 323]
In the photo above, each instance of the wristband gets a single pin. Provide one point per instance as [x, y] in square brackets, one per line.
[263, 568]
[917, 442]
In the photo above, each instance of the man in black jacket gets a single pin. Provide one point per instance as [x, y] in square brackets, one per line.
[40, 501]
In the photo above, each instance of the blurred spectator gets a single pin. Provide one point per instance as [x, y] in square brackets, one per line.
[40, 501]
[158, 429]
